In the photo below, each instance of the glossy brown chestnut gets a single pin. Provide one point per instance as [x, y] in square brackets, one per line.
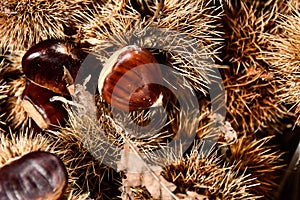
[130, 80]
[36, 175]
[45, 113]
[53, 64]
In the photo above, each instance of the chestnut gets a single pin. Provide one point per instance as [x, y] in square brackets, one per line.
[130, 80]
[36, 102]
[53, 64]
[36, 175]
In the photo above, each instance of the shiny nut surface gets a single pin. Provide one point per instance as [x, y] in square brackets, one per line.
[53, 64]
[37, 104]
[34, 176]
[130, 80]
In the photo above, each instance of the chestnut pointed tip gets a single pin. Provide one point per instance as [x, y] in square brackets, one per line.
[158, 102]
[71, 89]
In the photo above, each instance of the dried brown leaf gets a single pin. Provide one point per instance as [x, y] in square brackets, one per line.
[139, 173]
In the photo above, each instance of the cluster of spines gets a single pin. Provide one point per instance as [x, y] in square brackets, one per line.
[120, 23]
[24, 23]
[184, 47]
[86, 144]
[259, 158]
[284, 59]
[254, 72]
[12, 85]
[252, 103]
[204, 173]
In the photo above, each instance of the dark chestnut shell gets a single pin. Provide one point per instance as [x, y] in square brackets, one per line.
[45, 113]
[131, 79]
[53, 64]
[34, 176]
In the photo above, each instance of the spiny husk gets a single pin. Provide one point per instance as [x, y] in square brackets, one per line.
[84, 153]
[284, 60]
[251, 90]
[244, 23]
[186, 47]
[258, 158]
[95, 139]
[19, 144]
[213, 132]
[205, 173]
[199, 19]
[252, 104]
[103, 129]
[16, 144]
[12, 85]
[27, 22]
[154, 129]
[111, 28]
[146, 137]
[94, 19]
